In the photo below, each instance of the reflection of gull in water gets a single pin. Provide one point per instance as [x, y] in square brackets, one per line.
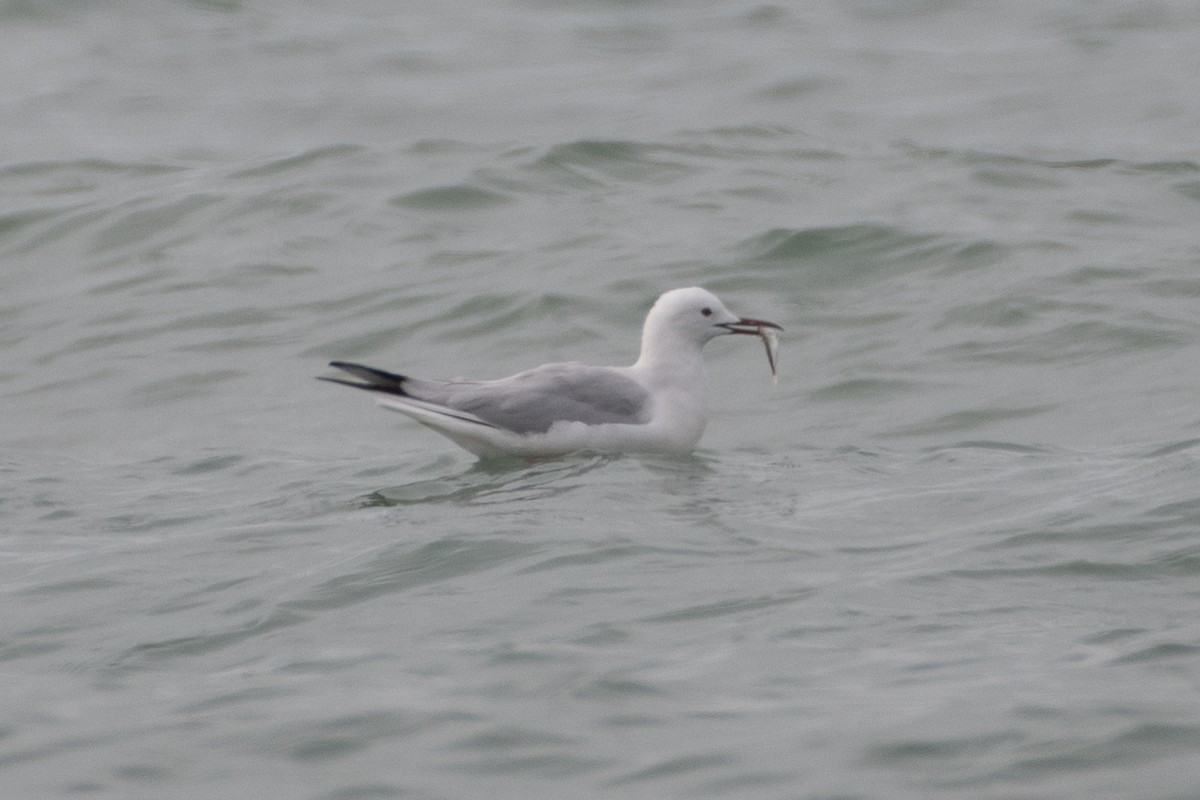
[655, 406]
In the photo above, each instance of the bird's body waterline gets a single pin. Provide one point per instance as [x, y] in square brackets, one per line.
[657, 405]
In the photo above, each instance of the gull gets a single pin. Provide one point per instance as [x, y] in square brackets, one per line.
[655, 406]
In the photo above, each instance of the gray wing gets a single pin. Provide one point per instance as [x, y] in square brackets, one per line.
[532, 401]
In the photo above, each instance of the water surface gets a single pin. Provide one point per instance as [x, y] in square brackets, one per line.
[952, 554]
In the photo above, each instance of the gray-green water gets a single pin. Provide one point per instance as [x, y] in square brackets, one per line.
[954, 553]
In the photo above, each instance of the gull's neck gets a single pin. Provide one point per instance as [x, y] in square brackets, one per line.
[668, 360]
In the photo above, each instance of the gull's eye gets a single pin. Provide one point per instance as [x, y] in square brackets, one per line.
[706, 312]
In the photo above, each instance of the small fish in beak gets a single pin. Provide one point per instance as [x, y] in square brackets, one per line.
[767, 331]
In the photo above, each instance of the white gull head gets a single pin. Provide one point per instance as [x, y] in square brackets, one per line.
[682, 321]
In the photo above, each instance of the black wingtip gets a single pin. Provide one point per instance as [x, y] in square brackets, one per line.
[344, 382]
[375, 380]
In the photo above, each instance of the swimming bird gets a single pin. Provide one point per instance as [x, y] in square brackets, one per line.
[655, 406]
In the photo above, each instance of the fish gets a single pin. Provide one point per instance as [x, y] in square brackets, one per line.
[770, 339]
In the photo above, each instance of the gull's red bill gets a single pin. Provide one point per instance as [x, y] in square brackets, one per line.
[753, 327]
